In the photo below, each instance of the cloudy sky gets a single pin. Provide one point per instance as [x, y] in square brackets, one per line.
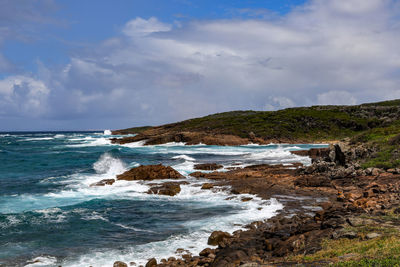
[79, 65]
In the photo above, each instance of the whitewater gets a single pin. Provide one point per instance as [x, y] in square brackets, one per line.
[50, 215]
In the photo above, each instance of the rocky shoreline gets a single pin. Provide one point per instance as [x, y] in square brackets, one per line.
[321, 202]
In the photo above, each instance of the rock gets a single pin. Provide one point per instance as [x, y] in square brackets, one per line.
[150, 172]
[372, 235]
[151, 263]
[246, 199]
[205, 252]
[120, 264]
[344, 234]
[252, 136]
[104, 182]
[208, 166]
[217, 236]
[207, 186]
[313, 153]
[167, 189]
[241, 190]
[340, 157]
[313, 181]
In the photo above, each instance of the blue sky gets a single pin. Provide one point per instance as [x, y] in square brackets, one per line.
[76, 24]
[77, 65]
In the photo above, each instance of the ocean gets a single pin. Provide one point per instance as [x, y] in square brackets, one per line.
[50, 215]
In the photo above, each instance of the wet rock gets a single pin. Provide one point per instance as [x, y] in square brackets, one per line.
[104, 182]
[208, 166]
[217, 236]
[205, 252]
[246, 199]
[120, 264]
[207, 186]
[167, 189]
[151, 263]
[150, 172]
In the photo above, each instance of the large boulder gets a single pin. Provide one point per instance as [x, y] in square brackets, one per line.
[217, 236]
[151, 263]
[150, 172]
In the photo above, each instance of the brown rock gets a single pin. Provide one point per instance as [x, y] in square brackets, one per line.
[150, 172]
[246, 199]
[207, 186]
[205, 252]
[151, 263]
[104, 182]
[208, 166]
[217, 236]
[120, 264]
[167, 189]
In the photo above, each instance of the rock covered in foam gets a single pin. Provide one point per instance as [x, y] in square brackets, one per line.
[104, 182]
[150, 172]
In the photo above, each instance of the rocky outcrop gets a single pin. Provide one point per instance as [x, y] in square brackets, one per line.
[208, 166]
[150, 172]
[157, 137]
[166, 189]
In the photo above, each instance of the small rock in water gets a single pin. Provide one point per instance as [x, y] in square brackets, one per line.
[207, 186]
[208, 166]
[104, 182]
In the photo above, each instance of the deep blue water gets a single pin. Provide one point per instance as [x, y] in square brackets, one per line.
[50, 213]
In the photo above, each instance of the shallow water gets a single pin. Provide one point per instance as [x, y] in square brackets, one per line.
[49, 212]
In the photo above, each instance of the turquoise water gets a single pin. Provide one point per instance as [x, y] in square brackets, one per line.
[50, 214]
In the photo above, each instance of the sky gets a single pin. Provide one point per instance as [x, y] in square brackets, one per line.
[97, 64]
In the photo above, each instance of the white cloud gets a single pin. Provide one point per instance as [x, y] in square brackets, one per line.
[142, 27]
[23, 95]
[325, 52]
[336, 98]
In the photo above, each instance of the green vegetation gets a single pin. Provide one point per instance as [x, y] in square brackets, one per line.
[386, 140]
[388, 262]
[375, 124]
[361, 251]
[308, 124]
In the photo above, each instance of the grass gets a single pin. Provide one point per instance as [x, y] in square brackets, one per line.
[386, 141]
[343, 252]
[388, 262]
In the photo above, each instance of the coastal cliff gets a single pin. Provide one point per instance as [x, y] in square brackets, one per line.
[375, 125]
[354, 183]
